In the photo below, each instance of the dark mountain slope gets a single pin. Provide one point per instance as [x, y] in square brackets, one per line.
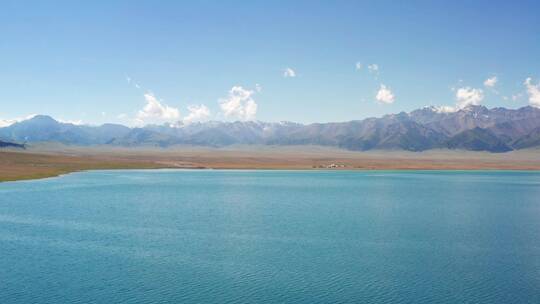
[478, 139]
[528, 141]
[5, 144]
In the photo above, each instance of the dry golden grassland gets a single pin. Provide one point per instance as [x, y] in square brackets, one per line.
[19, 166]
[40, 162]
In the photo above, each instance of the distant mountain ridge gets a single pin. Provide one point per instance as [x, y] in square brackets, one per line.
[474, 128]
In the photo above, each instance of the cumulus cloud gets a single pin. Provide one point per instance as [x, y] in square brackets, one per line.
[358, 66]
[445, 109]
[468, 96]
[373, 68]
[465, 96]
[9, 122]
[77, 122]
[491, 82]
[533, 90]
[197, 113]
[385, 95]
[517, 96]
[239, 104]
[155, 111]
[258, 87]
[6, 122]
[288, 72]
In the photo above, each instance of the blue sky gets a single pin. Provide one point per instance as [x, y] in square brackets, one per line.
[139, 62]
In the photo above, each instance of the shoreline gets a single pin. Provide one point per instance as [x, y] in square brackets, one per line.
[30, 165]
[23, 179]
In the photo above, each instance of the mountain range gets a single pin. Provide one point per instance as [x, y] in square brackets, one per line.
[475, 128]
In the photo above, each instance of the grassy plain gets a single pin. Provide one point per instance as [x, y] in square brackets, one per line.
[52, 160]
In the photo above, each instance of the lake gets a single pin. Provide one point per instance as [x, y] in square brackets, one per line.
[202, 236]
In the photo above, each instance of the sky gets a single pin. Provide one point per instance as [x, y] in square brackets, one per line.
[141, 62]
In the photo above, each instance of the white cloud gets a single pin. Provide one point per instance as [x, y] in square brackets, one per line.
[122, 116]
[239, 104]
[467, 96]
[517, 96]
[196, 113]
[128, 79]
[373, 68]
[445, 109]
[358, 66]
[9, 122]
[491, 82]
[288, 72]
[533, 91]
[155, 111]
[6, 122]
[73, 122]
[385, 95]
[137, 86]
[258, 88]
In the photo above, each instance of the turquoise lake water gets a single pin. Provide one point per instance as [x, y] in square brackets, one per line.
[166, 236]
